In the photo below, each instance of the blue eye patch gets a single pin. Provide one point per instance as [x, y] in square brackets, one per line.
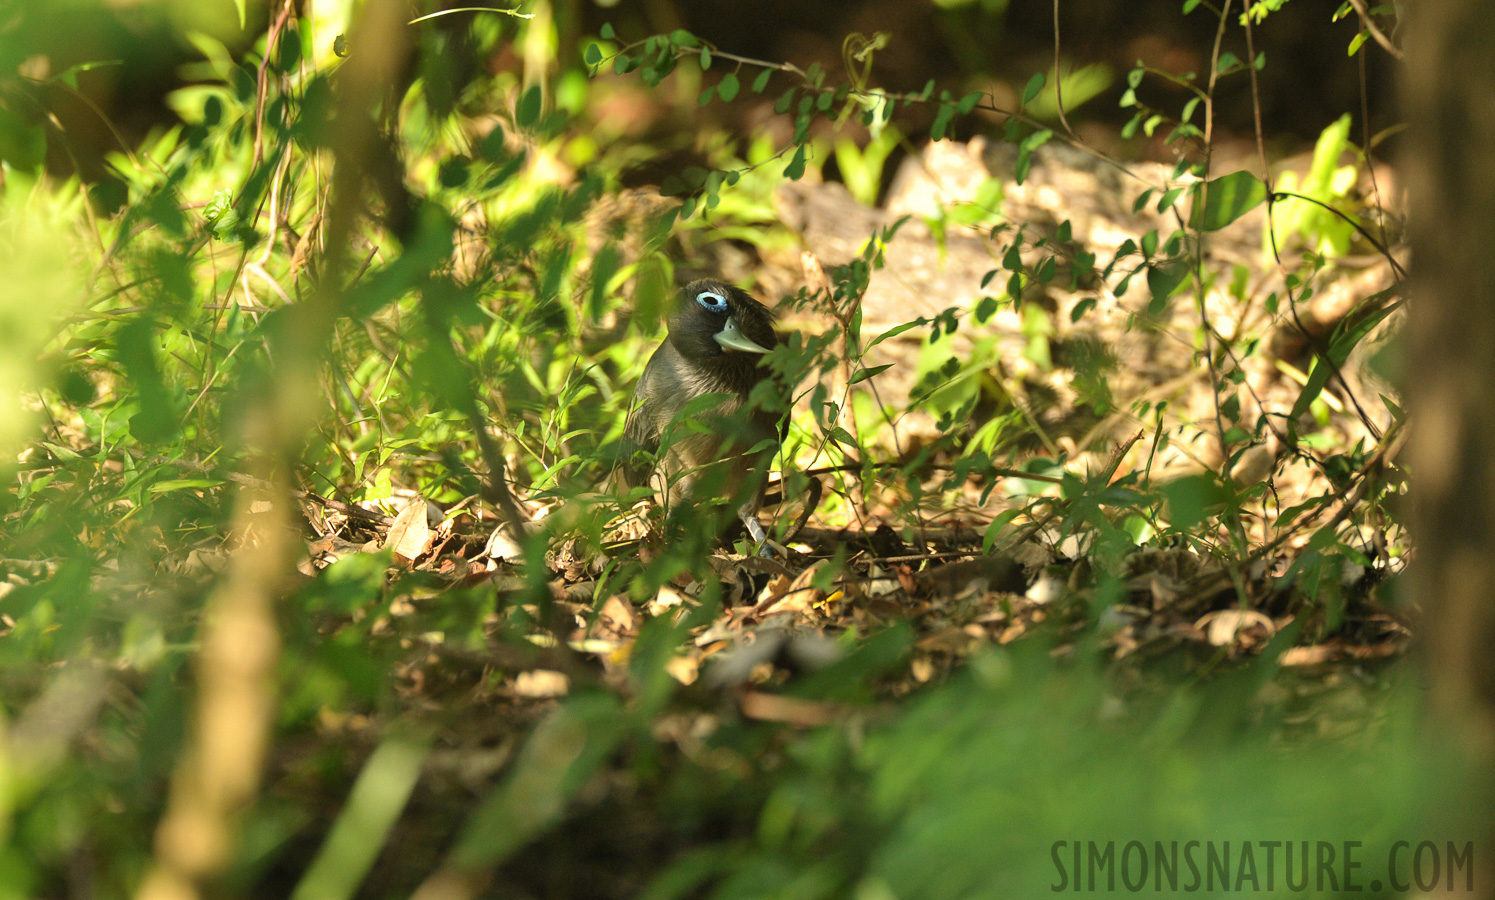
[712, 301]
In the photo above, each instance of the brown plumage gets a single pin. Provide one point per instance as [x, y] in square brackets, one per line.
[717, 336]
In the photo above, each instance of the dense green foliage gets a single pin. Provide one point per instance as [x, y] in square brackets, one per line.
[367, 265]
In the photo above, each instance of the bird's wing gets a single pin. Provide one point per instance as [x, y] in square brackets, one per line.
[641, 431]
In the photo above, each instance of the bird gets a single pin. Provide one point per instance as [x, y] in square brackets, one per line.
[718, 336]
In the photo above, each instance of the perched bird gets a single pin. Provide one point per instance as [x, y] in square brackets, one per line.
[717, 337]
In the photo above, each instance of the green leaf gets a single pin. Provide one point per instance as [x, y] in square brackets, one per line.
[760, 84]
[1046, 270]
[1012, 259]
[1191, 498]
[1357, 42]
[604, 267]
[22, 145]
[868, 373]
[135, 347]
[183, 484]
[796, 167]
[1035, 84]
[606, 31]
[994, 530]
[528, 112]
[1317, 378]
[968, 102]
[1226, 199]
[1025, 153]
[942, 121]
[897, 330]
[593, 54]
[705, 58]
[1163, 281]
[363, 827]
[682, 38]
[727, 88]
[223, 220]
[239, 5]
[560, 757]
[1340, 346]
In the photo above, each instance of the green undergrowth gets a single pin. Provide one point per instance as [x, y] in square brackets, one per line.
[370, 269]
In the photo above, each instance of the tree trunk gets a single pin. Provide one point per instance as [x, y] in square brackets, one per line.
[1449, 97]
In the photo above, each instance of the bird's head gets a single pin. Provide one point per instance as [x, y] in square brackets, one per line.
[714, 320]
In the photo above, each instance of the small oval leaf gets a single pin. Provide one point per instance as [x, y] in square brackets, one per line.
[727, 89]
[1035, 84]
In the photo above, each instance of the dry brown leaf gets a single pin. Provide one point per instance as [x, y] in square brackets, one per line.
[541, 683]
[503, 543]
[683, 669]
[800, 597]
[669, 597]
[790, 710]
[409, 536]
[776, 588]
[618, 619]
[1224, 626]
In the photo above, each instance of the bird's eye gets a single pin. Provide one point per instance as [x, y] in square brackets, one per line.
[712, 301]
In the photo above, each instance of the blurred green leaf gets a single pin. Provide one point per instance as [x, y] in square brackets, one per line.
[727, 88]
[942, 119]
[796, 168]
[135, 345]
[22, 146]
[1192, 498]
[1163, 281]
[527, 114]
[564, 751]
[1034, 85]
[360, 832]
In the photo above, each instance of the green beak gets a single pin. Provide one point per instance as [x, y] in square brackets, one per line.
[732, 338]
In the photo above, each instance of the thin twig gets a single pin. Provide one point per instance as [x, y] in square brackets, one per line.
[1375, 31]
[1380, 248]
[1058, 80]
